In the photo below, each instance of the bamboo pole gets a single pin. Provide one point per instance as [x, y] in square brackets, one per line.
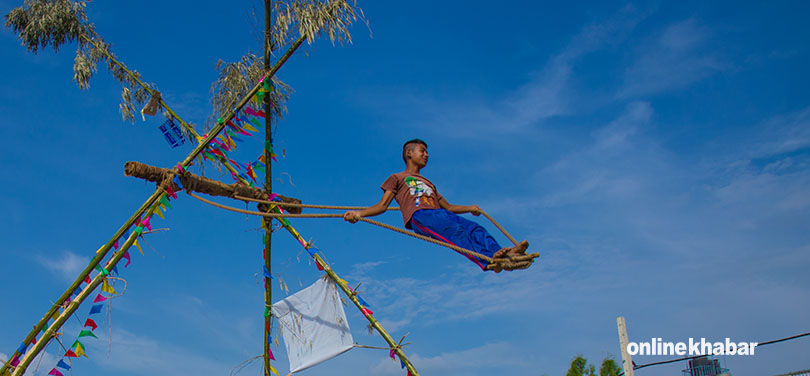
[374, 323]
[29, 356]
[268, 186]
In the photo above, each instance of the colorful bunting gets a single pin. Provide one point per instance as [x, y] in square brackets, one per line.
[71, 354]
[138, 245]
[80, 349]
[266, 272]
[107, 288]
[270, 354]
[63, 365]
[91, 324]
[55, 372]
[96, 309]
[99, 298]
[86, 333]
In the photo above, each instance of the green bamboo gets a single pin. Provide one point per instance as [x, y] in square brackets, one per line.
[268, 186]
[26, 360]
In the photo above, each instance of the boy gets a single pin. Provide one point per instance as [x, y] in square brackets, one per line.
[426, 212]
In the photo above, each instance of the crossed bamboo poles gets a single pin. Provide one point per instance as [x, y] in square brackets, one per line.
[150, 206]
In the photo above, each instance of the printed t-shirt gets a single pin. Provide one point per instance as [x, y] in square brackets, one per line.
[412, 192]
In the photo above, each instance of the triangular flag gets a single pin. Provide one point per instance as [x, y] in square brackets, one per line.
[55, 372]
[91, 324]
[63, 364]
[266, 272]
[87, 280]
[71, 354]
[138, 245]
[99, 298]
[107, 288]
[270, 354]
[15, 360]
[95, 309]
[99, 249]
[366, 311]
[115, 269]
[146, 223]
[86, 333]
[115, 245]
[126, 256]
[273, 370]
[165, 201]
[34, 340]
[266, 311]
[391, 354]
[158, 212]
[138, 230]
[80, 350]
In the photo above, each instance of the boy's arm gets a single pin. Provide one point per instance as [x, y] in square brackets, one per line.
[459, 209]
[378, 208]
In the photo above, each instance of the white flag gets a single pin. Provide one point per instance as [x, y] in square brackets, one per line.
[313, 325]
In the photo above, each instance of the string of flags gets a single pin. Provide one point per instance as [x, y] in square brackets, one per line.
[78, 348]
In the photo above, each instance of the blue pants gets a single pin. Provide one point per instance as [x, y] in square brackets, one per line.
[448, 227]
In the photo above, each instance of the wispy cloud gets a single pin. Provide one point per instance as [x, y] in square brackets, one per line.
[144, 355]
[679, 56]
[67, 265]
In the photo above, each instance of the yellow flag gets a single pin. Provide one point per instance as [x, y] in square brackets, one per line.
[99, 249]
[249, 127]
[273, 370]
[107, 288]
[138, 245]
[158, 212]
[162, 206]
[80, 350]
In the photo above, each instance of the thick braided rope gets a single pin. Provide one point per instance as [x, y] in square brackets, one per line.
[293, 205]
[373, 222]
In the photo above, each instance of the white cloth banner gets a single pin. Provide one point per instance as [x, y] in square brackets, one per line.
[313, 325]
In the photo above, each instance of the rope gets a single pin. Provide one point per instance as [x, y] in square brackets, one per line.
[293, 205]
[373, 222]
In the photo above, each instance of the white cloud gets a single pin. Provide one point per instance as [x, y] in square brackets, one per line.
[144, 355]
[66, 266]
[678, 57]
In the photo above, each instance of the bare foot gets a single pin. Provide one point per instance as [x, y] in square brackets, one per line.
[501, 253]
[519, 249]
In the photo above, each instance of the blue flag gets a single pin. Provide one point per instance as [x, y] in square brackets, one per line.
[96, 309]
[62, 364]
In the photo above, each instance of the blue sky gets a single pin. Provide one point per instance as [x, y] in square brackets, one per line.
[656, 154]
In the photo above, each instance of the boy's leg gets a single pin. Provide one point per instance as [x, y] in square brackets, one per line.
[446, 226]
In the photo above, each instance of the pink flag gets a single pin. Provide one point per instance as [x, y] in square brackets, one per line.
[99, 298]
[126, 256]
[55, 372]
[145, 223]
[270, 354]
[171, 192]
[115, 245]
[391, 353]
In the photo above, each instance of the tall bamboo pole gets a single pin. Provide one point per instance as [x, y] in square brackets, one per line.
[29, 356]
[268, 182]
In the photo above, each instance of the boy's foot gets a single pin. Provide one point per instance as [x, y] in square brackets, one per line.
[518, 250]
[501, 253]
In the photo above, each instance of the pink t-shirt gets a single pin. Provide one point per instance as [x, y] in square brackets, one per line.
[412, 192]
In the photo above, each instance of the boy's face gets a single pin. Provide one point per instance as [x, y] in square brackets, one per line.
[419, 155]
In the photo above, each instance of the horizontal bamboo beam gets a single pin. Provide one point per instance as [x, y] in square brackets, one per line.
[196, 183]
